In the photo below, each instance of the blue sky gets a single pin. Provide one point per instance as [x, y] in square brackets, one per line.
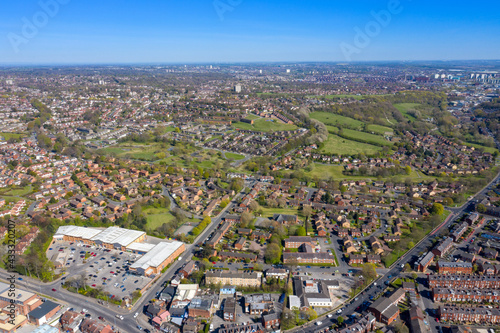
[172, 31]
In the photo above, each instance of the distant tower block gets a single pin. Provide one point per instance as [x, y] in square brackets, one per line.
[288, 70]
[260, 71]
[237, 88]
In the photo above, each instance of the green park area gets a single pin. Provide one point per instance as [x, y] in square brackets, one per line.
[265, 125]
[233, 156]
[333, 119]
[405, 108]
[6, 136]
[337, 145]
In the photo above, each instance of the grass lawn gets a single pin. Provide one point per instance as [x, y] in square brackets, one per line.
[337, 145]
[252, 117]
[333, 119]
[168, 129]
[16, 191]
[405, 107]
[6, 136]
[265, 125]
[157, 216]
[269, 212]
[378, 129]
[322, 171]
[372, 138]
[490, 150]
[234, 156]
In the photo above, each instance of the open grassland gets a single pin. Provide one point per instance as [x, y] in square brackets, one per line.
[335, 119]
[252, 117]
[161, 153]
[360, 136]
[234, 156]
[326, 171]
[269, 212]
[337, 145]
[16, 191]
[405, 107]
[368, 137]
[265, 125]
[490, 150]
[378, 129]
[6, 136]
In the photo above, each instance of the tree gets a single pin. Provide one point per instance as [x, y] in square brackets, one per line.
[437, 209]
[448, 201]
[253, 206]
[481, 208]
[340, 320]
[411, 245]
[368, 272]
[273, 253]
[246, 219]
[311, 314]
[307, 211]
[408, 170]
[301, 231]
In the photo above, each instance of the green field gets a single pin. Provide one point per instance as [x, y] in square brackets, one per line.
[378, 129]
[405, 107]
[490, 150]
[335, 119]
[360, 136]
[16, 191]
[156, 220]
[325, 171]
[6, 136]
[252, 117]
[370, 138]
[157, 216]
[265, 125]
[337, 145]
[269, 212]
[234, 156]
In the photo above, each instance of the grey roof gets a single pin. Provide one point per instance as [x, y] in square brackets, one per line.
[43, 309]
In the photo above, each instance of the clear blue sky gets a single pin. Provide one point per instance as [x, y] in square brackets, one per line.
[187, 31]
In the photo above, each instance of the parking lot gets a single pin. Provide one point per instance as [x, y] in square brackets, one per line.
[104, 268]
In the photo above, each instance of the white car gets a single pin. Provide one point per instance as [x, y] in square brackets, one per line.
[318, 323]
[330, 316]
[136, 314]
[119, 317]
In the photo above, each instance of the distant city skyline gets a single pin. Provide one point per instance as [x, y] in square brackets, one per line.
[239, 31]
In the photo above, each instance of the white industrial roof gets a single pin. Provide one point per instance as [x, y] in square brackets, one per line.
[157, 255]
[186, 292]
[141, 247]
[117, 235]
[294, 301]
[76, 231]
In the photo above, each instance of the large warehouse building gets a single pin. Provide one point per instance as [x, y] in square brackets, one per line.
[158, 258]
[155, 256]
[111, 238]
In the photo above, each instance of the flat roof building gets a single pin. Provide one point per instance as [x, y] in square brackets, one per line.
[159, 257]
